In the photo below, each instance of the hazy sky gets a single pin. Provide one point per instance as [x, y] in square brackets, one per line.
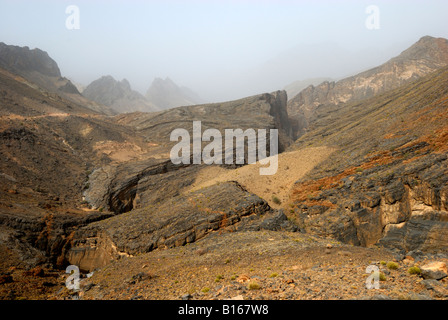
[220, 49]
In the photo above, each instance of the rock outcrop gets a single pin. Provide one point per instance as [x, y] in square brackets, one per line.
[225, 207]
[434, 270]
[264, 111]
[405, 210]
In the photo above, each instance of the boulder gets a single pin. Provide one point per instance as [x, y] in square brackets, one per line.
[434, 270]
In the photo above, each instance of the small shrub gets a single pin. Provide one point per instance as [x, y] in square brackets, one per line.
[253, 286]
[205, 290]
[392, 265]
[218, 278]
[233, 277]
[276, 200]
[273, 275]
[414, 270]
[383, 263]
[382, 277]
[191, 290]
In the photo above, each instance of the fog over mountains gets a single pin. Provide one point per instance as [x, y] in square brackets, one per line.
[221, 50]
[347, 120]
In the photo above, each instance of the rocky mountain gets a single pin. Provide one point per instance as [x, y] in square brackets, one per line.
[35, 65]
[42, 71]
[24, 60]
[166, 94]
[161, 95]
[386, 183]
[118, 95]
[422, 58]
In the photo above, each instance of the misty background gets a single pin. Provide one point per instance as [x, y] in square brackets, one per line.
[222, 50]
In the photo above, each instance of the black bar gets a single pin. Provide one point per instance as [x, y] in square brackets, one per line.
[220, 309]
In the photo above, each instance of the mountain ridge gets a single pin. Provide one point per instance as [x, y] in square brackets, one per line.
[161, 95]
[425, 56]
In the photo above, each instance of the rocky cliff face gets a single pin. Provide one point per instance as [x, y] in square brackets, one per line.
[424, 57]
[117, 95]
[264, 111]
[405, 210]
[179, 220]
